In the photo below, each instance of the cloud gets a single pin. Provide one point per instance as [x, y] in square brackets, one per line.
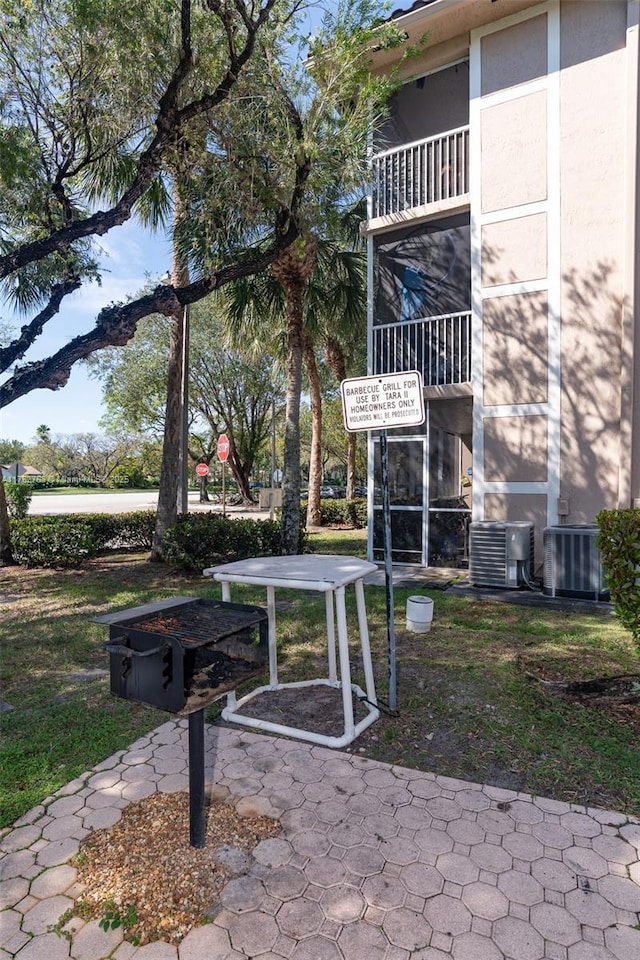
[90, 299]
[128, 246]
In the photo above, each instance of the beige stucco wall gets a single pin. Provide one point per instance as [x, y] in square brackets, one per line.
[514, 142]
[515, 449]
[514, 147]
[514, 55]
[592, 89]
[514, 250]
[515, 349]
[590, 169]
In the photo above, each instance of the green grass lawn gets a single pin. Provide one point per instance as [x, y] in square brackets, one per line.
[470, 699]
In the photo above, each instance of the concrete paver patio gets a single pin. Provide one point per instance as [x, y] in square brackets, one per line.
[374, 862]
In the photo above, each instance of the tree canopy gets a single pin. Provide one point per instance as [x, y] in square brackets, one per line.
[100, 98]
[229, 391]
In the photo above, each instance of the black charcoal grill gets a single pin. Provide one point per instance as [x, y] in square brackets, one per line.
[182, 654]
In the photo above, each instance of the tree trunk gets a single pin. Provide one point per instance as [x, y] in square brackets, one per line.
[167, 511]
[314, 518]
[337, 364]
[6, 556]
[204, 492]
[239, 473]
[292, 269]
[291, 465]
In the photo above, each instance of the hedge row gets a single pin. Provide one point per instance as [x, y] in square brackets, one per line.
[200, 540]
[70, 538]
[195, 542]
[619, 545]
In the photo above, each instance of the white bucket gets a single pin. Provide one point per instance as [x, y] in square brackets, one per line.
[419, 614]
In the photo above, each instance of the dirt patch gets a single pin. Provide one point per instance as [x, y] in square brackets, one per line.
[427, 739]
[601, 690]
[143, 875]
[317, 709]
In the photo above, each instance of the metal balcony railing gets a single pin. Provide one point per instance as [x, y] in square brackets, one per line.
[420, 173]
[439, 347]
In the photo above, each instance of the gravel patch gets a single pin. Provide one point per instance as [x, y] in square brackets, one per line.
[143, 871]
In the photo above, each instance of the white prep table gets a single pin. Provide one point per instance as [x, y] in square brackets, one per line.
[328, 574]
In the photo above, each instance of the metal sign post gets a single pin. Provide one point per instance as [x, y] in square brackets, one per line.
[377, 403]
[223, 456]
[388, 567]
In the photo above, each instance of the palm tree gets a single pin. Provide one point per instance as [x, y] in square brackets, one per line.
[172, 442]
[43, 433]
[315, 294]
[292, 270]
[341, 320]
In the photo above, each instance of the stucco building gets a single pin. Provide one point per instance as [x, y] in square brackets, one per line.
[502, 234]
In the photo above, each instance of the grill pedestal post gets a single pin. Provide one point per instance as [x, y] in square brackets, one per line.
[196, 779]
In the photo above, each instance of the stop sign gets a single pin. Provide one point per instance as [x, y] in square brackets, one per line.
[202, 470]
[223, 447]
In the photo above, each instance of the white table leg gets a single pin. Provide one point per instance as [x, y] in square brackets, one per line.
[273, 650]
[331, 636]
[370, 686]
[345, 670]
[226, 598]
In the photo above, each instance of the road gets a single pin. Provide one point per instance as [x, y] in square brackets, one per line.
[107, 502]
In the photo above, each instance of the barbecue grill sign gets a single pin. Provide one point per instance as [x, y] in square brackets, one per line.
[378, 403]
[383, 401]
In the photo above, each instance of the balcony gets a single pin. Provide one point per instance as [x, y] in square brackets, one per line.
[428, 176]
[439, 347]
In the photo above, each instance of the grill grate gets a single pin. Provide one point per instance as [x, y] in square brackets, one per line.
[197, 624]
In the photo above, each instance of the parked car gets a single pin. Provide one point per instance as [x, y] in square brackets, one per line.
[327, 492]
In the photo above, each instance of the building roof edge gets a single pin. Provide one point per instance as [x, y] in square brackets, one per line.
[423, 9]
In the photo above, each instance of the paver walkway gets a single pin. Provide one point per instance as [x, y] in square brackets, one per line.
[374, 862]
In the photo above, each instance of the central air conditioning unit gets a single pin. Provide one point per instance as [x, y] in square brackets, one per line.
[572, 563]
[500, 553]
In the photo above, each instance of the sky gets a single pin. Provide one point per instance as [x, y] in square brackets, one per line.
[129, 256]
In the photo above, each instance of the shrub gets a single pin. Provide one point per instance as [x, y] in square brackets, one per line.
[353, 513]
[52, 541]
[619, 544]
[206, 539]
[18, 498]
[128, 475]
[70, 538]
[117, 531]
